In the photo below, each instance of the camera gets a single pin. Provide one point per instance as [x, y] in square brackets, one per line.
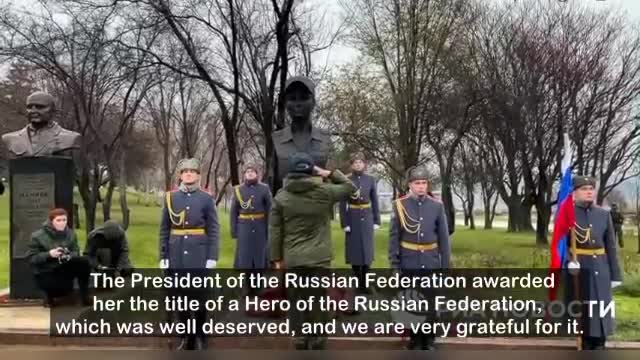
[66, 255]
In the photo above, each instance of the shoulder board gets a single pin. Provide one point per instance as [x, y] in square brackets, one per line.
[401, 198]
[434, 199]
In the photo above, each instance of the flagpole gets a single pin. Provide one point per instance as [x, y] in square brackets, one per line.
[576, 284]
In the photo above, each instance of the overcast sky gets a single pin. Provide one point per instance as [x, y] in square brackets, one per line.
[341, 54]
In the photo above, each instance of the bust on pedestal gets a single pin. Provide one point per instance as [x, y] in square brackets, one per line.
[41, 177]
[301, 135]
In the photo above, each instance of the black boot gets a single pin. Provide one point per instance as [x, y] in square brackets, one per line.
[317, 343]
[301, 343]
[415, 342]
[186, 343]
[201, 343]
[86, 299]
[428, 342]
[599, 343]
[49, 301]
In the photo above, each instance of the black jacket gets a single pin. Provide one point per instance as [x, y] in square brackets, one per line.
[110, 236]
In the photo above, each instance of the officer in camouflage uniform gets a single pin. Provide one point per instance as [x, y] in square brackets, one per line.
[189, 239]
[419, 238]
[250, 222]
[300, 226]
[595, 249]
[359, 217]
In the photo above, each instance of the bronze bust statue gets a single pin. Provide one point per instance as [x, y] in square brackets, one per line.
[301, 135]
[42, 136]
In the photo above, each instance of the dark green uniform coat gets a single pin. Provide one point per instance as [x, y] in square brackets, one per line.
[301, 220]
[46, 239]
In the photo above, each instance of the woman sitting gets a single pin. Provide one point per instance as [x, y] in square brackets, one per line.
[55, 258]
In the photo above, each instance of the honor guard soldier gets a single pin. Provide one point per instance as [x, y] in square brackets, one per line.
[359, 217]
[419, 238]
[189, 239]
[250, 207]
[593, 247]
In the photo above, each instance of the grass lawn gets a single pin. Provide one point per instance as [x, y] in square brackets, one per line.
[471, 249]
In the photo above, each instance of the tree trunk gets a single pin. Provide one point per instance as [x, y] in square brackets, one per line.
[493, 211]
[447, 199]
[542, 224]
[76, 216]
[470, 205]
[232, 148]
[124, 206]
[486, 203]
[207, 183]
[488, 221]
[526, 224]
[514, 208]
[638, 232]
[166, 154]
[108, 200]
[90, 198]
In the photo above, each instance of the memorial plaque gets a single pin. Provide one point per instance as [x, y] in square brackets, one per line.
[38, 184]
[34, 196]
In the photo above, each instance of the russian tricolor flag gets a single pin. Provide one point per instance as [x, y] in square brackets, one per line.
[565, 219]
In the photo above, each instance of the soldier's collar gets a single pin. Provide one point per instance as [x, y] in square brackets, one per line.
[584, 204]
[287, 135]
[414, 196]
[189, 188]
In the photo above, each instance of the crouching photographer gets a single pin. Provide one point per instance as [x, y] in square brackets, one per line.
[55, 258]
[108, 250]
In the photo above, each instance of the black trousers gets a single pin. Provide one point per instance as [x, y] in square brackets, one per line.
[593, 343]
[360, 271]
[200, 315]
[59, 281]
[252, 291]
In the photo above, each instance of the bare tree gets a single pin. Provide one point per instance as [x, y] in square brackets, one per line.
[159, 108]
[637, 210]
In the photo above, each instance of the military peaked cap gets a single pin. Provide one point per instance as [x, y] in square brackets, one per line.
[581, 180]
[417, 173]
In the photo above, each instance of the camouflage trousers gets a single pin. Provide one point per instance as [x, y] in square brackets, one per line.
[309, 341]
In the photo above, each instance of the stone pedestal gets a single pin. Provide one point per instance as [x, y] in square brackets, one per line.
[38, 185]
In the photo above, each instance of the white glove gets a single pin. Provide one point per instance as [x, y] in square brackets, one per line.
[376, 227]
[164, 264]
[211, 264]
[347, 229]
[574, 267]
[615, 284]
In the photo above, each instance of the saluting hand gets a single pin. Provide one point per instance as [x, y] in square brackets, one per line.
[321, 172]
